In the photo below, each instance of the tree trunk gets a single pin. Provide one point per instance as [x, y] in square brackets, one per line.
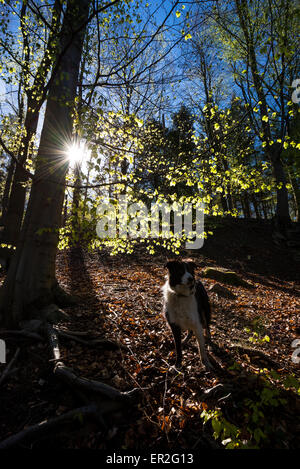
[84, 209]
[256, 209]
[6, 253]
[6, 192]
[264, 209]
[282, 202]
[295, 196]
[15, 210]
[246, 205]
[224, 203]
[75, 216]
[31, 281]
[273, 151]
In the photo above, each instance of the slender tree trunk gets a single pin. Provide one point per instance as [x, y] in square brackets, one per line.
[6, 192]
[273, 151]
[296, 196]
[15, 210]
[224, 200]
[75, 206]
[282, 202]
[229, 200]
[31, 281]
[224, 203]
[256, 209]
[264, 209]
[6, 253]
[65, 212]
[246, 205]
[84, 209]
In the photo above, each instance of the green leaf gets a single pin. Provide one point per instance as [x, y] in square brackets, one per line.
[217, 427]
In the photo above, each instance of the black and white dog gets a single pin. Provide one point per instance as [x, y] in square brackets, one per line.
[186, 306]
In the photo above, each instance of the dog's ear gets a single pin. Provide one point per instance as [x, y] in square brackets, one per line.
[170, 264]
[191, 263]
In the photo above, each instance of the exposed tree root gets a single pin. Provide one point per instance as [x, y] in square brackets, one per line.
[46, 427]
[62, 298]
[92, 341]
[9, 366]
[23, 333]
[108, 399]
[68, 376]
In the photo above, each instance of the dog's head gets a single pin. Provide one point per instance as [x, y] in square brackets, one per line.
[181, 276]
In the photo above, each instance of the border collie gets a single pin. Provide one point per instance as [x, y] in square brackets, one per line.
[186, 306]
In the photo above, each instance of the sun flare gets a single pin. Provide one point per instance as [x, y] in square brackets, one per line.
[76, 153]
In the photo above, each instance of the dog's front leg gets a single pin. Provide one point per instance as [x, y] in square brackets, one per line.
[202, 351]
[176, 330]
[208, 336]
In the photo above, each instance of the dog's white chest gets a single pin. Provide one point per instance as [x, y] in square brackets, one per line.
[182, 310]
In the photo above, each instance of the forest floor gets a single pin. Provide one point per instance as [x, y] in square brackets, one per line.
[257, 400]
